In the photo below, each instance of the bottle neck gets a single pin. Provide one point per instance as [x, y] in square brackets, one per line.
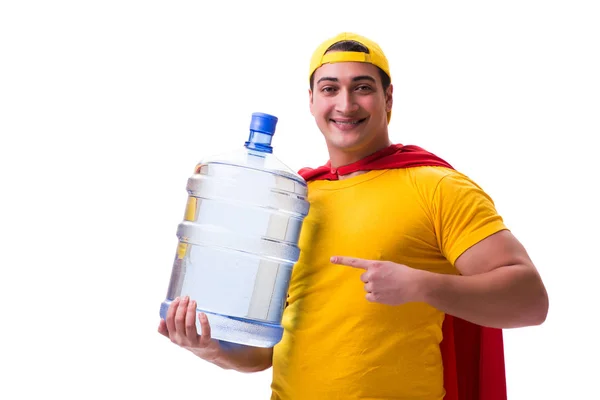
[259, 141]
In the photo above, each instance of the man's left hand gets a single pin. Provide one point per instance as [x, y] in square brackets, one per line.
[386, 282]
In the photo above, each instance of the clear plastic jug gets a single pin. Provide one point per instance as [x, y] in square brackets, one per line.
[238, 241]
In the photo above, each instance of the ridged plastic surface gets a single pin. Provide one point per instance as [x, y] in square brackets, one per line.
[238, 243]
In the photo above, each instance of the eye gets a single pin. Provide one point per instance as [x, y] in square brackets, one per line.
[363, 88]
[328, 89]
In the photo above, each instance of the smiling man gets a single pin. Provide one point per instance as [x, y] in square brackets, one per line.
[407, 273]
[350, 103]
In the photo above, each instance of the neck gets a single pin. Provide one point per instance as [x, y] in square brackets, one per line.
[339, 158]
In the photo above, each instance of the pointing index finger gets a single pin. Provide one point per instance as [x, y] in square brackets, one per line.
[351, 262]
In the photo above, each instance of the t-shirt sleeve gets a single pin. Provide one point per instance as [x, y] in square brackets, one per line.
[463, 215]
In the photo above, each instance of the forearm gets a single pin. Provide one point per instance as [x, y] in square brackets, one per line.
[506, 297]
[243, 358]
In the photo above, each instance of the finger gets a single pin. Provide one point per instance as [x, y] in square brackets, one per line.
[368, 287]
[190, 322]
[205, 327]
[351, 262]
[162, 328]
[365, 277]
[180, 316]
[371, 297]
[171, 315]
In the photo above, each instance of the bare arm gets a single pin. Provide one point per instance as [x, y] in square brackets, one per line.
[499, 287]
[180, 327]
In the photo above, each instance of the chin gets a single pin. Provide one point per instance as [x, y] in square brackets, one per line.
[345, 141]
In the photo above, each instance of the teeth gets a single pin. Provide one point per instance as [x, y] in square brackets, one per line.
[347, 123]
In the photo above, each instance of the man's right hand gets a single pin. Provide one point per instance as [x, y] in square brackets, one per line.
[180, 327]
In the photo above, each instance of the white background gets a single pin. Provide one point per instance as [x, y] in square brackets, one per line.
[105, 108]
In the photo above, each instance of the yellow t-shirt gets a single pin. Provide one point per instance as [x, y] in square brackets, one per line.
[338, 345]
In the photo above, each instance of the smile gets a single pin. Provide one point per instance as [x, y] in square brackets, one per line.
[348, 124]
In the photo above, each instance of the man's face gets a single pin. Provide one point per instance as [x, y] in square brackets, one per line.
[350, 105]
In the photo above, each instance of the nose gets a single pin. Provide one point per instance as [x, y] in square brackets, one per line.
[346, 104]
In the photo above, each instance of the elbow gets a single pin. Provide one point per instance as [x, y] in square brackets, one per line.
[538, 299]
[543, 304]
[539, 307]
[255, 368]
[532, 314]
[534, 304]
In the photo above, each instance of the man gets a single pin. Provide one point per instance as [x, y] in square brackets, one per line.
[407, 273]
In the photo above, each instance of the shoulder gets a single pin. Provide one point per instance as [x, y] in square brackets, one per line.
[445, 185]
[427, 179]
[456, 183]
[430, 174]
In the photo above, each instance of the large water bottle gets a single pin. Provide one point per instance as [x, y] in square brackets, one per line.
[239, 240]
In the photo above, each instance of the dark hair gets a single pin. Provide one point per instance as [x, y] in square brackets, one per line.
[351, 45]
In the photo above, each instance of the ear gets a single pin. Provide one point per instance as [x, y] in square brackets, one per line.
[389, 98]
[310, 101]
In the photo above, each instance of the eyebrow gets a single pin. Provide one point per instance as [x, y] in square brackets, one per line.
[355, 79]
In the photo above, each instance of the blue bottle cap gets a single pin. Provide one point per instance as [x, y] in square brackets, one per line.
[262, 129]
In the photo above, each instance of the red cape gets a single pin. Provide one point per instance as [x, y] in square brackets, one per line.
[473, 355]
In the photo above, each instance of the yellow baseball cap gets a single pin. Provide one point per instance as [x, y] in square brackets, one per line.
[375, 55]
